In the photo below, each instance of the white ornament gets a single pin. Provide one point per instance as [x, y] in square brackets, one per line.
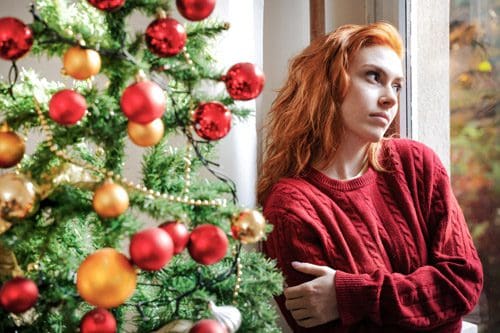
[227, 315]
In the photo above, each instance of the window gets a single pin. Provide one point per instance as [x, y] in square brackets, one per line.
[475, 146]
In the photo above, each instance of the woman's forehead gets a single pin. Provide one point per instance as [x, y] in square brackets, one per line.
[379, 56]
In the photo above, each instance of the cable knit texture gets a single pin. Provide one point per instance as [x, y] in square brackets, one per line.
[404, 257]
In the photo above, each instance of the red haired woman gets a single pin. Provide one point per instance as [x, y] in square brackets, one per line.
[367, 231]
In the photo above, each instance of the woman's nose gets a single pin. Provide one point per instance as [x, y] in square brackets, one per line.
[388, 98]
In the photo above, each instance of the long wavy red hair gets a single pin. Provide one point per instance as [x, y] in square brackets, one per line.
[304, 125]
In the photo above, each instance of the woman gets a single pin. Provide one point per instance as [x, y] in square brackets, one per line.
[367, 231]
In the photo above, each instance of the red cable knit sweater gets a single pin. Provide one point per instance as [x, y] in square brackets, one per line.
[405, 260]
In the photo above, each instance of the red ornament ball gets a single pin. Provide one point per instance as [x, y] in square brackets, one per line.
[151, 249]
[195, 10]
[16, 38]
[208, 326]
[212, 120]
[67, 107]
[244, 81]
[18, 295]
[107, 5]
[98, 321]
[143, 101]
[165, 37]
[179, 234]
[207, 244]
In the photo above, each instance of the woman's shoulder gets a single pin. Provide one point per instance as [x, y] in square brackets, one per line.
[287, 193]
[291, 187]
[410, 151]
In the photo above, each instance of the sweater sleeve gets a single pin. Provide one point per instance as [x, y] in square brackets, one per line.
[295, 237]
[435, 294]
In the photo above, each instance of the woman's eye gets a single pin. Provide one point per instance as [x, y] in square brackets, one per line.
[397, 87]
[373, 76]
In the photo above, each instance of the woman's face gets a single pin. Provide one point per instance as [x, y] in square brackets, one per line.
[372, 99]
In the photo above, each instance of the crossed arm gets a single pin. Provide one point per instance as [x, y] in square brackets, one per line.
[314, 302]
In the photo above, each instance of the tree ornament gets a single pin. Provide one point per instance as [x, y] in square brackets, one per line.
[106, 278]
[18, 197]
[67, 107]
[208, 326]
[18, 295]
[207, 244]
[80, 63]
[98, 321]
[146, 135]
[16, 38]
[227, 315]
[8, 263]
[107, 5]
[212, 120]
[12, 147]
[151, 249]
[165, 37]
[143, 101]
[26, 318]
[195, 10]
[179, 234]
[244, 81]
[249, 226]
[176, 326]
[110, 200]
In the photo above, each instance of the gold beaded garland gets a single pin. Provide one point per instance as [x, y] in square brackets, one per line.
[137, 187]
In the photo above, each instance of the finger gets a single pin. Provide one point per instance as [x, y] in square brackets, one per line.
[296, 291]
[308, 322]
[295, 304]
[308, 268]
[301, 314]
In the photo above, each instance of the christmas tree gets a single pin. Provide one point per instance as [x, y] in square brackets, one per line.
[75, 253]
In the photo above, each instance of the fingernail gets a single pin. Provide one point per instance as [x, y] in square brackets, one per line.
[295, 263]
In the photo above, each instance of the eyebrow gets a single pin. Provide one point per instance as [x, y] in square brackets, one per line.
[380, 69]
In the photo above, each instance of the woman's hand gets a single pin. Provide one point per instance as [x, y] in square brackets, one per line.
[314, 302]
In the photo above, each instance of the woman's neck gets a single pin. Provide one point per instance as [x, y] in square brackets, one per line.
[350, 161]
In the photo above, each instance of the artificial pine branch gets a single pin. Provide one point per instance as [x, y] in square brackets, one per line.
[51, 244]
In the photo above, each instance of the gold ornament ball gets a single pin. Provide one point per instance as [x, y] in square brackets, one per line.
[81, 63]
[18, 197]
[110, 200]
[146, 135]
[249, 226]
[106, 278]
[12, 147]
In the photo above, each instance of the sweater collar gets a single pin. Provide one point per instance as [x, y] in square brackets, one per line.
[321, 180]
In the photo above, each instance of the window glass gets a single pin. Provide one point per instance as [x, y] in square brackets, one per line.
[475, 144]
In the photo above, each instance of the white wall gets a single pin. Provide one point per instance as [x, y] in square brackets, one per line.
[430, 61]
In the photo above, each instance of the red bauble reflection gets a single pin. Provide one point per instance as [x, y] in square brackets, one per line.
[208, 326]
[143, 102]
[195, 10]
[151, 249]
[207, 244]
[18, 295]
[212, 120]
[98, 321]
[244, 81]
[16, 38]
[165, 37]
[67, 107]
[179, 234]
[107, 5]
